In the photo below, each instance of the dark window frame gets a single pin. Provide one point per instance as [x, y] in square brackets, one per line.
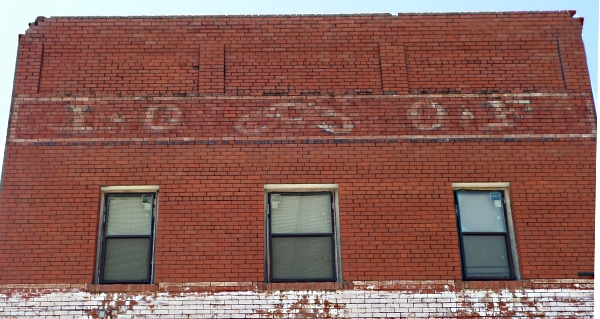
[332, 235]
[103, 237]
[506, 234]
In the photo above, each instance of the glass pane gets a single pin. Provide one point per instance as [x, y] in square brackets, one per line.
[486, 257]
[302, 258]
[129, 215]
[301, 213]
[127, 259]
[481, 211]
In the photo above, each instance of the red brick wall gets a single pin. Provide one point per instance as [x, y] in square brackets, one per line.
[396, 204]
[295, 55]
[178, 102]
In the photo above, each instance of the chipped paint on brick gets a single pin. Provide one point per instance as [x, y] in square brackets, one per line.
[429, 302]
[196, 118]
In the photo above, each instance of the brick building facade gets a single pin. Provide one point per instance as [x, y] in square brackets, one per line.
[322, 166]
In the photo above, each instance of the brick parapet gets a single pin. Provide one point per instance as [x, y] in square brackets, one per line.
[304, 54]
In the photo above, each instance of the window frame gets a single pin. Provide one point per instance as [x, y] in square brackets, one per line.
[301, 190]
[503, 189]
[103, 222]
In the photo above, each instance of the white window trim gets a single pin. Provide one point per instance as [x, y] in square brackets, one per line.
[481, 186]
[504, 187]
[104, 190]
[300, 188]
[129, 189]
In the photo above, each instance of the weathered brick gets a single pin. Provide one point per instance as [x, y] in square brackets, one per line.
[393, 109]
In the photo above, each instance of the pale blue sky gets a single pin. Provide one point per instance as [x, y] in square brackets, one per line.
[16, 14]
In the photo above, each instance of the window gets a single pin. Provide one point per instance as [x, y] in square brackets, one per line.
[302, 233]
[484, 229]
[126, 242]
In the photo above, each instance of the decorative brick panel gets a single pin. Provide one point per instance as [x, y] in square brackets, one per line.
[29, 65]
[308, 55]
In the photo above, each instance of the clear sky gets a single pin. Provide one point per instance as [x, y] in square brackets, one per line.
[16, 14]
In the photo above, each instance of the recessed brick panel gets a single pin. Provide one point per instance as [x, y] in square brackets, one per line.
[303, 68]
[485, 64]
[29, 64]
[126, 65]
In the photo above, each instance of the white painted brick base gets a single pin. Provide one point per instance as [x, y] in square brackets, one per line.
[351, 303]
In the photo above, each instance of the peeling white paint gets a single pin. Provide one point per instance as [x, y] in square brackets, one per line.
[355, 303]
[78, 119]
[517, 101]
[502, 114]
[278, 114]
[169, 119]
[286, 119]
[417, 114]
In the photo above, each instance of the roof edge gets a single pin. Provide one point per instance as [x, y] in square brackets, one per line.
[287, 15]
